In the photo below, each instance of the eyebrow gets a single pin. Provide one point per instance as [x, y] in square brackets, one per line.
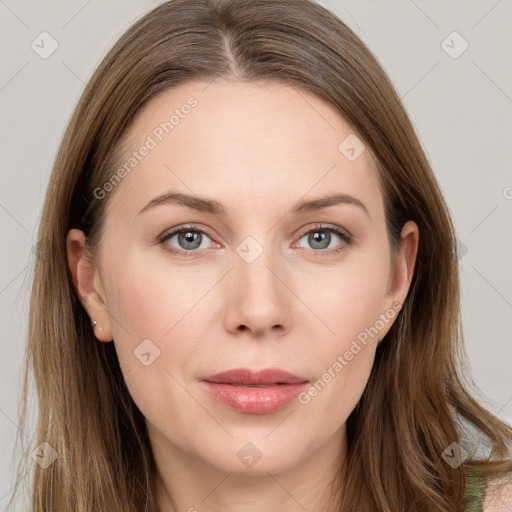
[216, 208]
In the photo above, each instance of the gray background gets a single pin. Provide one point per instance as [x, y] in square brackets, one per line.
[461, 108]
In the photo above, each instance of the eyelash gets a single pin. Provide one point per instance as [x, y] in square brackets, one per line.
[343, 234]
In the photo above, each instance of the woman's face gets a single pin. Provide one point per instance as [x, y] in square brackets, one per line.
[265, 175]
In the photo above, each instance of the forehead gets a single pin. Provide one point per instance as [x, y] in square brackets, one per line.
[244, 143]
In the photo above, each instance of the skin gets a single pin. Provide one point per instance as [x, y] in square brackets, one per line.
[257, 149]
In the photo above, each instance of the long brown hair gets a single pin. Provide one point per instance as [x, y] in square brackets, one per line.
[417, 393]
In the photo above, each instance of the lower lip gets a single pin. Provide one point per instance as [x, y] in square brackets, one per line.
[252, 399]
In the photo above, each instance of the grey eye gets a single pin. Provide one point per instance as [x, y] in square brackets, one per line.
[188, 239]
[320, 239]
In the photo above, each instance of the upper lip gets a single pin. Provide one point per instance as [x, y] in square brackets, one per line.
[247, 376]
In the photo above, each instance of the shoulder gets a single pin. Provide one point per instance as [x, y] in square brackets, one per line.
[498, 494]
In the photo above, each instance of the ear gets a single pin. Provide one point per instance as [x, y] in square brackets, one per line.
[87, 281]
[402, 268]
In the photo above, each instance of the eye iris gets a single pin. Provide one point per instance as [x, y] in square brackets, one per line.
[319, 236]
[189, 237]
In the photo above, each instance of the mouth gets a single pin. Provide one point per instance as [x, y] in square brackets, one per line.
[254, 391]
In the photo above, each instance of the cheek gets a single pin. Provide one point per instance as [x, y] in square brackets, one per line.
[350, 303]
[156, 350]
[349, 299]
[152, 299]
[152, 308]
[344, 360]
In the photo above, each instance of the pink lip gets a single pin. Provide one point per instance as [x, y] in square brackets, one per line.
[255, 391]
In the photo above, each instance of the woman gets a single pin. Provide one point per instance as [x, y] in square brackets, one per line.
[252, 299]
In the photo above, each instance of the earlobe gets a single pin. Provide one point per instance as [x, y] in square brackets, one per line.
[88, 284]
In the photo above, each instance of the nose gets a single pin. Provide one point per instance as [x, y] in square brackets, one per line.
[258, 300]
